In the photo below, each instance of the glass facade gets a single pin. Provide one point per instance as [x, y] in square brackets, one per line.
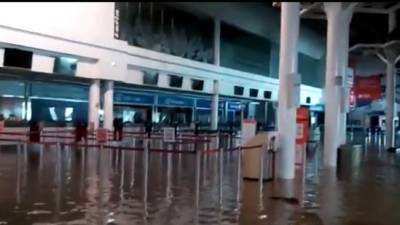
[164, 29]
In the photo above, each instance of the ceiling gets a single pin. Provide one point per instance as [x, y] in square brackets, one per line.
[370, 21]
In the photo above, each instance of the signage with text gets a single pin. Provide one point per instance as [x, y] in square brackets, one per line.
[168, 134]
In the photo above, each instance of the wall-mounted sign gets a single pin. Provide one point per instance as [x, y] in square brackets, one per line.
[367, 89]
[234, 106]
[166, 100]
[168, 134]
[206, 104]
[133, 98]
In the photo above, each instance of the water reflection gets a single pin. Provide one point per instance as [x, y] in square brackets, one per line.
[65, 185]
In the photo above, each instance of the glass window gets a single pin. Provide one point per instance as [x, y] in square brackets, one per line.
[65, 65]
[197, 84]
[238, 90]
[17, 58]
[11, 109]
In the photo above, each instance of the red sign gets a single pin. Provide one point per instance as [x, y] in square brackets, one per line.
[367, 88]
[302, 117]
[101, 135]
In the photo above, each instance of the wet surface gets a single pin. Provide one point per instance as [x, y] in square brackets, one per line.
[92, 186]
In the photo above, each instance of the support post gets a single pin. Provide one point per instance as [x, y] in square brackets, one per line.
[214, 106]
[94, 102]
[217, 41]
[108, 105]
[287, 65]
[338, 19]
[390, 111]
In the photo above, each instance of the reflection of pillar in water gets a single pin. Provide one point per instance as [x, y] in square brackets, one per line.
[221, 174]
[133, 169]
[197, 188]
[58, 183]
[261, 179]
[145, 178]
[82, 173]
[122, 172]
[103, 173]
[168, 186]
[238, 178]
[18, 170]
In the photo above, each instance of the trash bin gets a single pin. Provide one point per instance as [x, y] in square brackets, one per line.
[349, 156]
[263, 157]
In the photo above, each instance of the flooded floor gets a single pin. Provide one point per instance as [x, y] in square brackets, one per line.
[92, 186]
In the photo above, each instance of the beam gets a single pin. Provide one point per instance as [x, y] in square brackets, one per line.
[365, 46]
[313, 16]
[394, 8]
[371, 10]
[309, 8]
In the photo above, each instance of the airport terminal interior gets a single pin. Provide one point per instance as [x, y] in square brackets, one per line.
[231, 113]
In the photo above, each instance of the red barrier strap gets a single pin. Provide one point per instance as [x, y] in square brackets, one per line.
[14, 133]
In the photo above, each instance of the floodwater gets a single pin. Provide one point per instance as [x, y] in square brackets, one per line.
[92, 186]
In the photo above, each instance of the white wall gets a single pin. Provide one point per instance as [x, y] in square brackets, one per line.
[85, 30]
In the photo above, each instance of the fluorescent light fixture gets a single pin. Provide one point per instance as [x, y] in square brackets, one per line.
[68, 113]
[53, 114]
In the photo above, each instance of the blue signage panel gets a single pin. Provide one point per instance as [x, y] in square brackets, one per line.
[206, 104]
[133, 98]
[234, 106]
[169, 100]
[203, 103]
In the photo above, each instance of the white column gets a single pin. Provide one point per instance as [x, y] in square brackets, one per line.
[108, 105]
[287, 65]
[94, 103]
[338, 19]
[1, 56]
[390, 111]
[217, 41]
[392, 21]
[214, 106]
[343, 68]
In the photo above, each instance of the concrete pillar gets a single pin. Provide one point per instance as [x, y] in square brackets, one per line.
[94, 102]
[390, 111]
[338, 19]
[217, 41]
[108, 105]
[1, 56]
[392, 21]
[214, 106]
[287, 65]
[346, 88]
